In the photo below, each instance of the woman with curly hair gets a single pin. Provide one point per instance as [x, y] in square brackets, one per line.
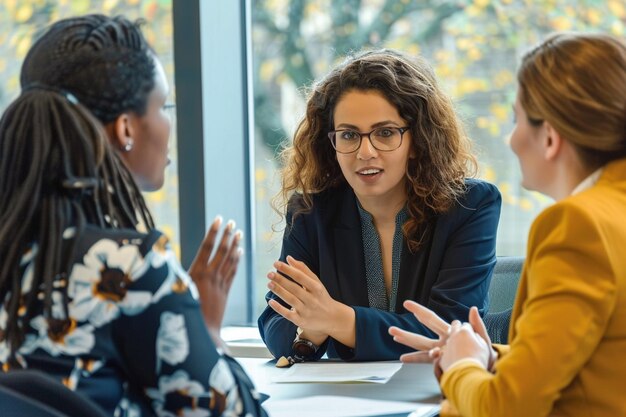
[379, 208]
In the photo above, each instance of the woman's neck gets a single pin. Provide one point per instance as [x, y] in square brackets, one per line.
[383, 211]
[569, 173]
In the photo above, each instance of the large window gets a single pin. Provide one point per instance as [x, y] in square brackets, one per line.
[21, 22]
[474, 47]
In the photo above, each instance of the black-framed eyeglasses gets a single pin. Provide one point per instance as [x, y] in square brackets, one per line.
[384, 139]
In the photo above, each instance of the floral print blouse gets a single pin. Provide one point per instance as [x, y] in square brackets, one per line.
[135, 341]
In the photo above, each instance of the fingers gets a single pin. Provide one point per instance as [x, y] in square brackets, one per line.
[298, 271]
[438, 369]
[287, 291]
[289, 314]
[230, 269]
[412, 340]
[301, 266]
[222, 251]
[416, 357]
[231, 260]
[206, 247]
[481, 330]
[455, 327]
[478, 325]
[435, 353]
[286, 284]
[427, 317]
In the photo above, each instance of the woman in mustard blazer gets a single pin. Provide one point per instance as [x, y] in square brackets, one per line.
[568, 333]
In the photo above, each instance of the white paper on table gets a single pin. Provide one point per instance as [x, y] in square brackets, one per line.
[376, 372]
[336, 406]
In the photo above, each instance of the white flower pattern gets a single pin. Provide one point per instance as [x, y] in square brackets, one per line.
[111, 286]
[78, 341]
[181, 383]
[99, 287]
[4, 346]
[172, 341]
[177, 278]
[223, 383]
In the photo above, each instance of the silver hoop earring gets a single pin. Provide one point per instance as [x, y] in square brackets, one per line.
[129, 145]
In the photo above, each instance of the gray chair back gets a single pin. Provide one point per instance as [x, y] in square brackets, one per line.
[502, 292]
[504, 282]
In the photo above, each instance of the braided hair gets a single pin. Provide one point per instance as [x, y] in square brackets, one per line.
[58, 172]
[104, 61]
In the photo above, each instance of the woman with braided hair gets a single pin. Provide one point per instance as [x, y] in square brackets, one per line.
[109, 67]
[90, 292]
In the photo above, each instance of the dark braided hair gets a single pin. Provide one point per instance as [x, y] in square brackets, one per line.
[104, 61]
[58, 172]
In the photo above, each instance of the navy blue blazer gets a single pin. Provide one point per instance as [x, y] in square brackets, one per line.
[448, 274]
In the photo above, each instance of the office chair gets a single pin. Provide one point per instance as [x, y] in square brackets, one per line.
[502, 292]
[33, 393]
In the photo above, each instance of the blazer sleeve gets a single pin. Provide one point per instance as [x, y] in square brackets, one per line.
[462, 280]
[277, 332]
[570, 293]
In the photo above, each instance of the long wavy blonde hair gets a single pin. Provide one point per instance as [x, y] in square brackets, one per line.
[435, 178]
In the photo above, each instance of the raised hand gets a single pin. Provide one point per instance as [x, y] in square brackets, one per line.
[312, 308]
[213, 275]
[463, 342]
[424, 346]
[479, 327]
[430, 350]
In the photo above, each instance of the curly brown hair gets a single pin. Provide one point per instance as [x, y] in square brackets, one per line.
[435, 178]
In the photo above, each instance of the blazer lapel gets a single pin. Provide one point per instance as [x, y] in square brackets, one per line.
[412, 272]
[350, 263]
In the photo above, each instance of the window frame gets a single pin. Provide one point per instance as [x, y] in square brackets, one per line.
[213, 53]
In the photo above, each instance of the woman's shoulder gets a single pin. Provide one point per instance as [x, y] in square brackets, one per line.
[478, 190]
[599, 207]
[478, 195]
[91, 235]
[145, 259]
[480, 199]
[122, 271]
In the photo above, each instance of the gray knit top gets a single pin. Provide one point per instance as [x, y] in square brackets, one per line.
[376, 291]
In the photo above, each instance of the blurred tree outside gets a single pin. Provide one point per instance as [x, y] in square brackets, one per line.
[22, 21]
[473, 45]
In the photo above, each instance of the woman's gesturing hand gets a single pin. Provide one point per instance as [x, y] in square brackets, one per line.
[477, 346]
[213, 275]
[431, 350]
[423, 345]
[312, 308]
[463, 342]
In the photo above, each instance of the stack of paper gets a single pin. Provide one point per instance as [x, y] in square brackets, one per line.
[376, 372]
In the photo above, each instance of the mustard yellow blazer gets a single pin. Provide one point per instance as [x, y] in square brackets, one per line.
[567, 352]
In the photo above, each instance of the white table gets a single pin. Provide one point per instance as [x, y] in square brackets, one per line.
[413, 382]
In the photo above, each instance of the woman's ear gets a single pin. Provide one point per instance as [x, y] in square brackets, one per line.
[553, 142]
[120, 132]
